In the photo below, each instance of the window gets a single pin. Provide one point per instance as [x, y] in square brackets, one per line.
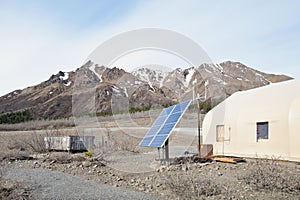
[220, 133]
[262, 130]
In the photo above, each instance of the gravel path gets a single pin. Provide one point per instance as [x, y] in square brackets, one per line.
[55, 185]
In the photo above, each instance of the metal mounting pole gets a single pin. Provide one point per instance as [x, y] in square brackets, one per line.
[199, 130]
[167, 150]
[199, 100]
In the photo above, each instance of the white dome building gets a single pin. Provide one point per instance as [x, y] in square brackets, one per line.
[261, 122]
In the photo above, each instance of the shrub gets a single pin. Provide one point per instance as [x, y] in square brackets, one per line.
[191, 186]
[269, 174]
[88, 154]
[13, 190]
[16, 117]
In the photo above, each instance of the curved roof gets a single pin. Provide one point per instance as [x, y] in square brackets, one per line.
[278, 104]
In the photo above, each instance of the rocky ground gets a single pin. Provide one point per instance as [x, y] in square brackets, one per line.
[181, 179]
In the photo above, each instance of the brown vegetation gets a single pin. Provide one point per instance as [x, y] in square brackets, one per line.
[10, 190]
[270, 175]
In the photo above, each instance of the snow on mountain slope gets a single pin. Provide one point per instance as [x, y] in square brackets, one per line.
[143, 87]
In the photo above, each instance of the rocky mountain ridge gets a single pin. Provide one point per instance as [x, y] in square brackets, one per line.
[142, 88]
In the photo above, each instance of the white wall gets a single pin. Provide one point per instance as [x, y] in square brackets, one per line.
[278, 104]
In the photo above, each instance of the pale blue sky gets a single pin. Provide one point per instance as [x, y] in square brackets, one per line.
[39, 38]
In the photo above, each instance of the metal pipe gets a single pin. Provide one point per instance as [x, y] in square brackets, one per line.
[199, 129]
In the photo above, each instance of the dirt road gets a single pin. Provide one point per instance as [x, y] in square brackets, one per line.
[48, 184]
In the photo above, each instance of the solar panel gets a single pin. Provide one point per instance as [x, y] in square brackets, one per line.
[164, 125]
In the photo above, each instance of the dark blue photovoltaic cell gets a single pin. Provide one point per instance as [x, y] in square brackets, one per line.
[160, 120]
[177, 109]
[166, 129]
[185, 104]
[180, 107]
[173, 118]
[146, 141]
[153, 130]
[159, 140]
[164, 124]
[168, 110]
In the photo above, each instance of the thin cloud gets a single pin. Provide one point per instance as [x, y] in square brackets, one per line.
[41, 38]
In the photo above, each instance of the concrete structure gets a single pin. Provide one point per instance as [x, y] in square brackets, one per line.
[70, 143]
[259, 122]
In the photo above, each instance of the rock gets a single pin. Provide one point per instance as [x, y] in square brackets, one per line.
[86, 164]
[184, 168]
[161, 169]
[158, 185]
[119, 179]
[52, 162]
[36, 164]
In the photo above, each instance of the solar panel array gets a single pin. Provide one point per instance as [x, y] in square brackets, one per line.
[164, 125]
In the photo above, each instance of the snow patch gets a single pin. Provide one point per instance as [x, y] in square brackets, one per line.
[219, 80]
[92, 68]
[68, 84]
[207, 70]
[125, 91]
[115, 89]
[65, 76]
[189, 76]
[220, 67]
[137, 82]
[194, 81]
[151, 86]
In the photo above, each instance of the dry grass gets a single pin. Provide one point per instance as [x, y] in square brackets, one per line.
[27, 142]
[141, 118]
[64, 157]
[38, 125]
[271, 175]
[10, 190]
[189, 185]
[124, 143]
[117, 141]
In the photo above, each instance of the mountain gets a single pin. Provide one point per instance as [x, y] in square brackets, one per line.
[142, 88]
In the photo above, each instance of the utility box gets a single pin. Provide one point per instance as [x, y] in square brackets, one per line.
[206, 150]
[69, 143]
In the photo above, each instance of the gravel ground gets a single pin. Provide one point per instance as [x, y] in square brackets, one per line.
[56, 185]
[73, 179]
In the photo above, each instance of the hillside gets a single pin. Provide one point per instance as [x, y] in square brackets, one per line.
[143, 87]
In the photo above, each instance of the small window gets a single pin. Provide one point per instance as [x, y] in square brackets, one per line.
[262, 131]
[220, 133]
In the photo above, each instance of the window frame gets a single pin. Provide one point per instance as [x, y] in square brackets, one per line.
[262, 126]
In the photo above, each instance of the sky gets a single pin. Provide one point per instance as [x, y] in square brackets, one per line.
[40, 38]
